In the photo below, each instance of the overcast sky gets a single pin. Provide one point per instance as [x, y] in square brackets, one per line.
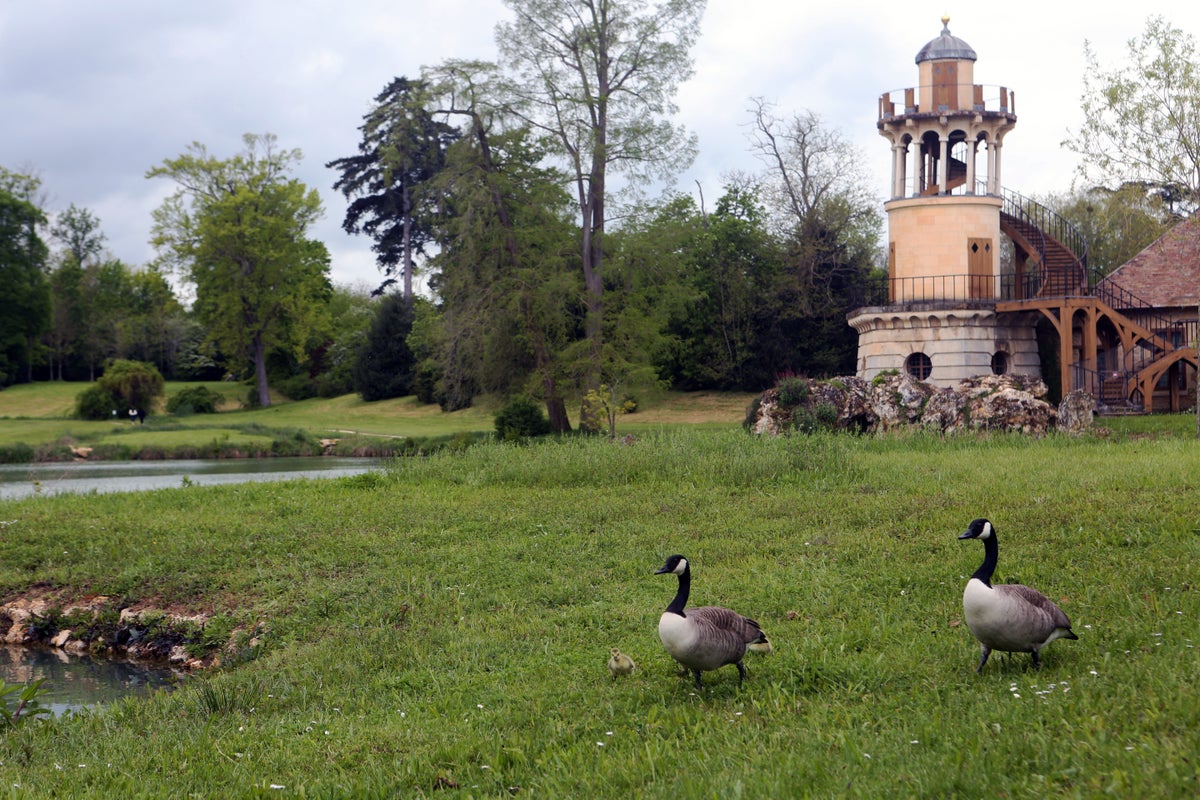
[94, 94]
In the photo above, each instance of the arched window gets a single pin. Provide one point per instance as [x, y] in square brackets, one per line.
[918, 366]
[1000, 363]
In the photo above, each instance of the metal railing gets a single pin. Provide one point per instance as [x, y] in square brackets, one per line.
[936, 291]
[982, 97]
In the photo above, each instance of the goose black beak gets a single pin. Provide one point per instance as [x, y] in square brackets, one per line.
[966, 535]
[661, 570]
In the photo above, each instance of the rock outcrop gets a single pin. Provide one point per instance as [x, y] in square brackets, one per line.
[989, 402]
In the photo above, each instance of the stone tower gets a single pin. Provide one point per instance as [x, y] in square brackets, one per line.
[938, 321]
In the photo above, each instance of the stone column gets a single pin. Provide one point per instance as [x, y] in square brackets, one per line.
[943, 164]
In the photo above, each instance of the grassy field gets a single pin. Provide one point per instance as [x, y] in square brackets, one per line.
[40, 413]
[445, 624]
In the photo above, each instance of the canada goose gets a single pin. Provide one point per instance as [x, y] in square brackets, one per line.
[708, 637]
[1008, 617]
[620, 664]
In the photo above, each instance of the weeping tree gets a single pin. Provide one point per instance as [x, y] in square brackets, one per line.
[504, 268]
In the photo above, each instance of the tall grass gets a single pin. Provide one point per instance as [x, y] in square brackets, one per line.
[446, 623]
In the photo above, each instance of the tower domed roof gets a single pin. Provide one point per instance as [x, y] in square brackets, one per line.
[946, 46]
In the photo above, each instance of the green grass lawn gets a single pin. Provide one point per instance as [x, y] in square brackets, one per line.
[442, 628]
[39, 414]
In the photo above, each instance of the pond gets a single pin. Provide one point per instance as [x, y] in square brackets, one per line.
[23, 480]
[78, 682]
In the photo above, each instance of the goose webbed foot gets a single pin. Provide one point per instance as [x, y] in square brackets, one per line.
[699, 685]
[1037, 661]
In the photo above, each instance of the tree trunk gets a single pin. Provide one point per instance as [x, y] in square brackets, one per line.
[260, 372]
[408, 264]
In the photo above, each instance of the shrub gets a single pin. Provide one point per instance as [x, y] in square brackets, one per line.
[194, 400]
[135, 384]
[298, 387]
[521, 417]
[95, 403]
[792, 391]
[821, 418]
[19, 453]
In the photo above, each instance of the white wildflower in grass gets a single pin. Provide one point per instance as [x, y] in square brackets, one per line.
[278, 786]
[915, 741]
[479, 705]
[599, 744]
[608, 733]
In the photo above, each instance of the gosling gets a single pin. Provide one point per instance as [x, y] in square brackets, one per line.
[620, 664]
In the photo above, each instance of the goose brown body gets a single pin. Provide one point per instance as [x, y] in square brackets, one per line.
[1009, 617]
[705, 638]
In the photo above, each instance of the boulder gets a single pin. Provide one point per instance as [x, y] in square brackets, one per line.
[986, 402]
[1076, 412]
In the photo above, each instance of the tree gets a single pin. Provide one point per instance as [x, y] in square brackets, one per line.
[1142, 119]
[24, 291]
[152, 329]
[508, 287]
[402, 148]
[732, 265]
[599, 78]
[384, 365]
[78, 231]
[237, 229]
[1116, 224]
[827, 220]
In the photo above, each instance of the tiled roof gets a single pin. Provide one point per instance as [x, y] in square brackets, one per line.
[1167, 273]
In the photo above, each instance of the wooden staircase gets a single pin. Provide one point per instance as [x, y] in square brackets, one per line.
[1052, 277]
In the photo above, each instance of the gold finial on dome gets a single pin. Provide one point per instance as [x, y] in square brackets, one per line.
[946, 20]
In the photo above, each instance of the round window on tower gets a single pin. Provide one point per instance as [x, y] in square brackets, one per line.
[918, 366]
[1000, 363]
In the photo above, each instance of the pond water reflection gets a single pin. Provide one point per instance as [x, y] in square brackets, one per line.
[77, 682]
[23, 480]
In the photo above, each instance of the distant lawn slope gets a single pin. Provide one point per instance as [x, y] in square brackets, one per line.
[40, 414]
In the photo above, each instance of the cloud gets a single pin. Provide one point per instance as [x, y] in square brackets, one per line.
[96, 94]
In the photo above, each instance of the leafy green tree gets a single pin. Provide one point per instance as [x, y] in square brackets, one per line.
[1142, 119]
[1116, 224]
[403, 146]
[351, 312]
[599, 77]
[78, 231]
[714, 334]
[24, 290]
[237, 228]
[153, 323]
[505, 275]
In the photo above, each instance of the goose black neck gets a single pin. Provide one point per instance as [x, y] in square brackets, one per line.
[991, 552]
[681, 596]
